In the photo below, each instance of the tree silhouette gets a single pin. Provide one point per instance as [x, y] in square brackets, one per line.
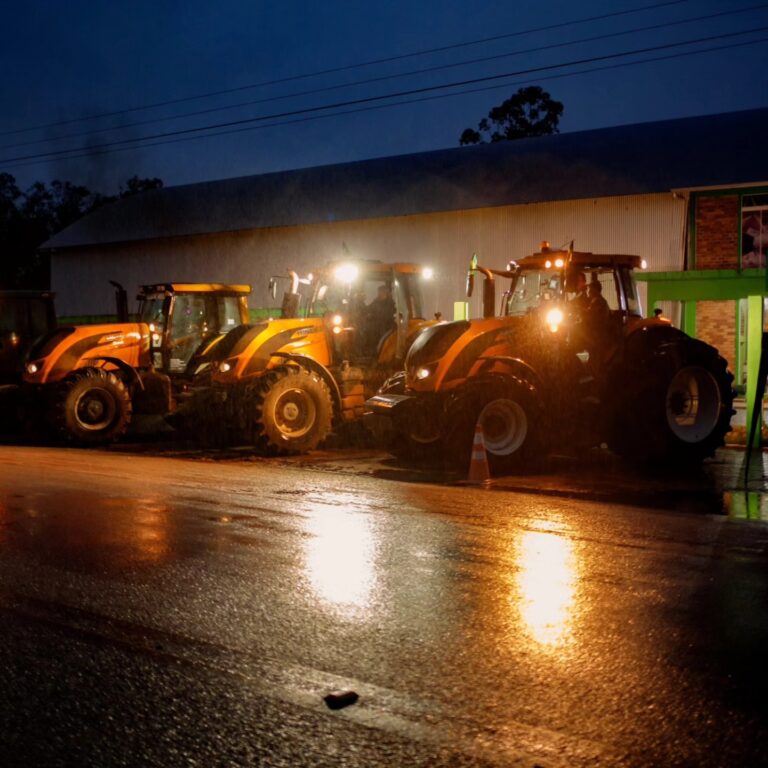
[529, 112]
[28, 219]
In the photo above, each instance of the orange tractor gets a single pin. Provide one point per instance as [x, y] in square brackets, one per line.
[283, 384]
[85, 382]
[569, 363]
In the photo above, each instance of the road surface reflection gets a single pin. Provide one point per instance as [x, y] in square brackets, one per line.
[341, 555]
[544, 586]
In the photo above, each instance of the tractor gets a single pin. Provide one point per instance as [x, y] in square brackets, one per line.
[84, 383]
[569, 363]
[282, 385]
[24, 316]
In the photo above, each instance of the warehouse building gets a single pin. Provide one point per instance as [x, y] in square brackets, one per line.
[688, 195]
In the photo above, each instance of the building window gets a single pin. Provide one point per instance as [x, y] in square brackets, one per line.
[754, 230]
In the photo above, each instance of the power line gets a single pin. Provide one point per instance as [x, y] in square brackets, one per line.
[422, 99]
[345, 68]
[369, 81]
[370, 99]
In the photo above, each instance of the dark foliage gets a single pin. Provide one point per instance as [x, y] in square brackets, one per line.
[28, 219]
[529, 112]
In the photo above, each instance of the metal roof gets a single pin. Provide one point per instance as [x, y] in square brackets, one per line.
[713, 150]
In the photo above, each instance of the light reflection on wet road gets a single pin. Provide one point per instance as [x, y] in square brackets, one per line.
[178, 610]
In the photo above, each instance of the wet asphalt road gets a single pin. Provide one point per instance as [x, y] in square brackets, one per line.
[163, 612]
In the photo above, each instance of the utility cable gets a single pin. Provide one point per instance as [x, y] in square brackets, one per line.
[419, 100]
[345, 68]
[369, 81]
[370, 99]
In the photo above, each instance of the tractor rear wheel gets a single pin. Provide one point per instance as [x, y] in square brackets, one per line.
[681, 408]
[91, 407]
[292, 410]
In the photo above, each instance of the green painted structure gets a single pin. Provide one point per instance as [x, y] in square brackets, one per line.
[717, 285]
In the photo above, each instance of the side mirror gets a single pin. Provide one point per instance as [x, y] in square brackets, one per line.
[273, 287]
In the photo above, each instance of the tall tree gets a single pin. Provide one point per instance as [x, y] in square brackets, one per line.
[28, 219]
[529, 112]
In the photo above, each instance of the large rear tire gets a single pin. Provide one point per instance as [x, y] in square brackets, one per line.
[292, 410]
[678, 410]
[91, 407]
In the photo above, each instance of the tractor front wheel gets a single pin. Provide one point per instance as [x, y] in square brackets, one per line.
[292, 410]
[511, 416]
[91, 407]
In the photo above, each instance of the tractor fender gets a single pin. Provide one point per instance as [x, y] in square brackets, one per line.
[478, 385]
[313, 365]
[130, 374]
[514, 367]
[646, 340]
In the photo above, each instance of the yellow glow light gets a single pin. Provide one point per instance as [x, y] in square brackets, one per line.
[554, 318]
[340, 558]
[346, 273]
[546, 583]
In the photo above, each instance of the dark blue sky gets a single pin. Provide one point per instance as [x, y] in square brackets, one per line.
[69, 60]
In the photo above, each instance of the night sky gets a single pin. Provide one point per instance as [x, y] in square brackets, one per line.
[64, 61]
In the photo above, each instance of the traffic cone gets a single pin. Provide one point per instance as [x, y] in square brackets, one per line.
[479, 472]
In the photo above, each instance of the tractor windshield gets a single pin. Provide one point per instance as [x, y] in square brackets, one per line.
[194, 319]
[350, 294]
[532, 288]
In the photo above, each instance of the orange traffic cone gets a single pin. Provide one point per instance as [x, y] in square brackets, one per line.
[479, 472]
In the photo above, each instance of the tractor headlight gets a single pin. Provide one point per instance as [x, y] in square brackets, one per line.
[423, 372]
[554, 318]
[32, 368]
[227, 365]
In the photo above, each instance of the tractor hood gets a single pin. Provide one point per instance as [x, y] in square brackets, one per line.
[448, 350]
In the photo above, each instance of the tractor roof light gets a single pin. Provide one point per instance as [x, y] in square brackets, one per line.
[427, 273]
[346, 273]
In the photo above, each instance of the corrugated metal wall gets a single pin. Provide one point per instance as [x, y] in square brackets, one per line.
[648, 225]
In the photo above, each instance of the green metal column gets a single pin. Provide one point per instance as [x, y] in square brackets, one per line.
[754, 343]
[689, 318]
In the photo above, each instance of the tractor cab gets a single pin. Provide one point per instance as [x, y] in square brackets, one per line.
[558, 278]
[187, 319]
[582, 302]
[373, 307]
